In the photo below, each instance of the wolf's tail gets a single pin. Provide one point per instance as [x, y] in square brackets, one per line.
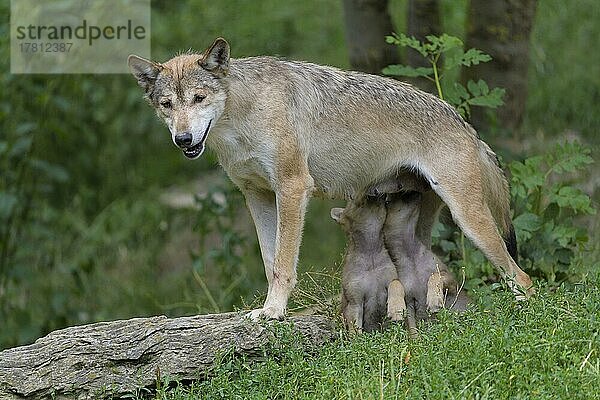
[497, 196]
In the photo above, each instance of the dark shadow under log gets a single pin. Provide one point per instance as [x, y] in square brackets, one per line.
[110, 359]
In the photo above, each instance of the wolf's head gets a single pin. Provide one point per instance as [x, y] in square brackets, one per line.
[187, 92]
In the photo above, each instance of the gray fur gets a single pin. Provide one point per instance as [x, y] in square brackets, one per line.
[414, 260]
[368, 269]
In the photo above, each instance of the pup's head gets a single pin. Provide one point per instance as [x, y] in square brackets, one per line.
[402, 181]
[364, 216]
[403, 208]
[187, 92]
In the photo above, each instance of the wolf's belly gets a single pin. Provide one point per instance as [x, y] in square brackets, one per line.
[337, 177]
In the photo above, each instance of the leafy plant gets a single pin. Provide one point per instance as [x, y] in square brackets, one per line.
[474, 94]
[545, 206]
[551, 242]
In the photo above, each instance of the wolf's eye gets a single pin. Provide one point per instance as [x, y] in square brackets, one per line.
[198, 98]
[166, 104]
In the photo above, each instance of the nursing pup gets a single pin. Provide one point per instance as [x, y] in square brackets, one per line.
[370, 286]
[427, 282]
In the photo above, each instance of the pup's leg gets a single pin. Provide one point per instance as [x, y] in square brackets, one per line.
[352, 312]
[462, 192]
[396, 306]
[353, 317]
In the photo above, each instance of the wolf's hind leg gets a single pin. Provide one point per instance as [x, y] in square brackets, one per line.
[463, 194]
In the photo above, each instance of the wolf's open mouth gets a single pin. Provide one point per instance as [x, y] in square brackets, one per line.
[196, 150]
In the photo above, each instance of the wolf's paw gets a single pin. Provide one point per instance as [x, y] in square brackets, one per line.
[266, 313]
[522, 295]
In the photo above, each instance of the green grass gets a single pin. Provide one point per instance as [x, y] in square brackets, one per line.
[545, 348]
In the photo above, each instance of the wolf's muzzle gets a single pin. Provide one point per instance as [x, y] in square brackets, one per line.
[183, 140]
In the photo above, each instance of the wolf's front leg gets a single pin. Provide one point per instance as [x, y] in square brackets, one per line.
[292, 198]
[263, 209]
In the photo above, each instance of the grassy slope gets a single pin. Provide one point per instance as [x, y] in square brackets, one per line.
[545, 348]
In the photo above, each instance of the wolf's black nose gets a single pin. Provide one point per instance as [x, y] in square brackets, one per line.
[183, 139]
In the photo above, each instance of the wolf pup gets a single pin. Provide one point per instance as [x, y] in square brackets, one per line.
[370, 286]
[286, 130]
[428, 283]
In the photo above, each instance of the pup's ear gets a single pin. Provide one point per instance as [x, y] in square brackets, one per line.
[145, 71]
[216, 58]
[336, 213]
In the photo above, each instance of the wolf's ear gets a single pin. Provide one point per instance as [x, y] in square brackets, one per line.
[145, 71]
[216, 58]
[336, 213]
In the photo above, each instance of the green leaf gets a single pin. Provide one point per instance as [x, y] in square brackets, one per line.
[8, 202]
[404, 41]
[527, 222]
[565, 235]
[391, 40]
[405, 70]
[473, 88]
[21, 146]
[569, 157]
[491, 99]
[528, 174]
[445, 42]
[447, 246]
[474, 57]
[461, 91]
[573, 198]
[452, 61]
[25, 128]
[483, 87]
[52, 171]
[457, 95]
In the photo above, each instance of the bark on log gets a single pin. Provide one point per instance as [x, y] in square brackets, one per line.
[109, 359]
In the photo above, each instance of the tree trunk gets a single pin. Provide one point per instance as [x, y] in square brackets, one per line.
[502, 29]
[367, 24]
[423, 20]
[120, 357]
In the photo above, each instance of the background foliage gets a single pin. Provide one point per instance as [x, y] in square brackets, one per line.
[95, 220]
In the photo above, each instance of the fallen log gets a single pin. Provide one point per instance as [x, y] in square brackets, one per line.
[111, 359]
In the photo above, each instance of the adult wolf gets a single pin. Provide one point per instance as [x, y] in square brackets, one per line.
[284, 130]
